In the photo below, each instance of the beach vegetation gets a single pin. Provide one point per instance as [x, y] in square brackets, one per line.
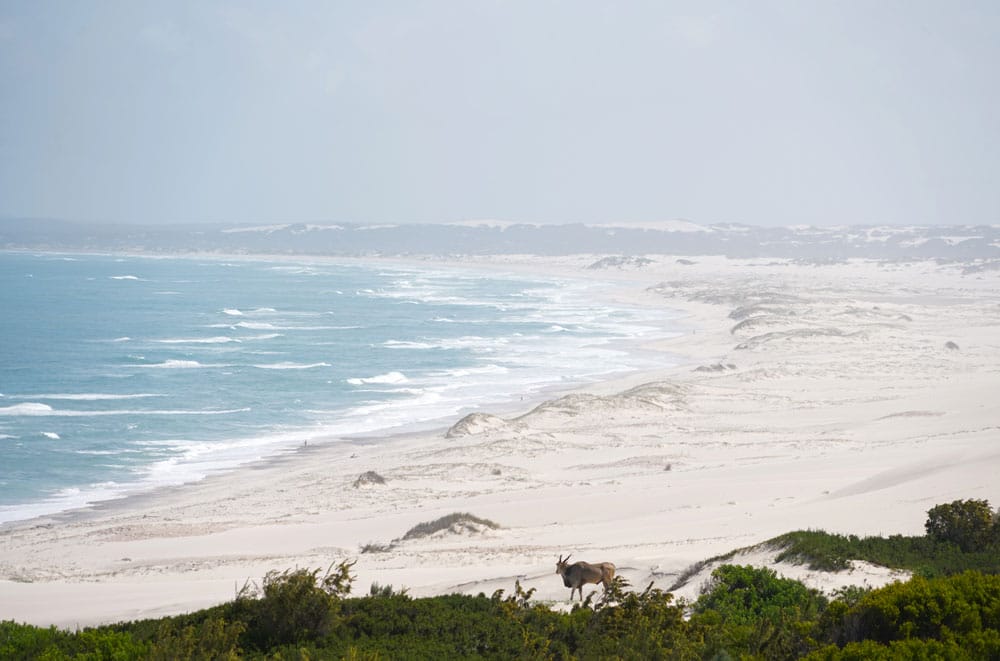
[743, 613]
[961, 535]
[376, 547]
[970, 524]
[944, 611]
[378, 590]
[368, 478]
[753, 610]
[453, 521]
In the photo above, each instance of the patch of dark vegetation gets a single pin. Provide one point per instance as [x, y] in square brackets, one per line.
[715, 367]
[385, 591]
[455, 522]
[962, 535]
[376, 547]
[620, 262]
[368, 478]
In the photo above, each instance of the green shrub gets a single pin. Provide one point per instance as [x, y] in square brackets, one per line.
[23, 641]
[966, 604]
[749, 610]
[969, 524]
[924, 556]
[292, 607]
[215, 639]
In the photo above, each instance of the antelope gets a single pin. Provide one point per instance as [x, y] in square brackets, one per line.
[578, 574]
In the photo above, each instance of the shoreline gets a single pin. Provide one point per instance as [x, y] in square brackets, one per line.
[843, 410]
[507, 403]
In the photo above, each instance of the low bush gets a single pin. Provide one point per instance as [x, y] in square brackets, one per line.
[446, 522]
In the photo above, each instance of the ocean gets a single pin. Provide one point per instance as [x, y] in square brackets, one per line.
[120, 374]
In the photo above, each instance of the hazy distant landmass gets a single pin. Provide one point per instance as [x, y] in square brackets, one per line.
[950, 242]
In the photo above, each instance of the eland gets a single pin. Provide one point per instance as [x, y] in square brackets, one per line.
[578, 574]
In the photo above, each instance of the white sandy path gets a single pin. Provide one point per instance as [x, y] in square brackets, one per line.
[843, 411]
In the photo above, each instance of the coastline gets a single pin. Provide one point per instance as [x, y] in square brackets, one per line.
[844, 411]
[375, 415]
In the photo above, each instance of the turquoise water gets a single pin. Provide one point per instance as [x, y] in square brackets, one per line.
[120, 374]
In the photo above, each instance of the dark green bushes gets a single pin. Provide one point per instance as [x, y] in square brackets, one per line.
[971, 525]
[293, 607]
[753, 611]
[955, 617]
[23, 641]
[924, 556]
[744, 613]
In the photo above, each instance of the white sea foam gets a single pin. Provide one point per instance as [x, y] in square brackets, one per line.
[63, 500]
[256, 325]
[291, 366]
[233, 312]
[263, 325]
[29, 408]
[125, 277]
[176, 364]
[405, 344]
[474, 371]
[89, 396]
[44, 410]
[219, 339]
[122, 339]
[389, 378]
[51, 434]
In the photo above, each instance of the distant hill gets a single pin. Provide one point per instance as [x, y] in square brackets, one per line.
[981, 242]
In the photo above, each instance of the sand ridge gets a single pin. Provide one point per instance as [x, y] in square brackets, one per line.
[808, 396]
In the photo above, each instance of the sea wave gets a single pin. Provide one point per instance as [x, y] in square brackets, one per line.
[219, 339]
[29, 408]
[177, 364]
[125, 277]
[390, 378]
[87, 396]
[263, 325]
[38, 409]
[473, 371]
[291, 366]
[256, 325]
[407, 344]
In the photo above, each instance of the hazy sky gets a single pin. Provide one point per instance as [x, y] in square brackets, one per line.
[770, 113]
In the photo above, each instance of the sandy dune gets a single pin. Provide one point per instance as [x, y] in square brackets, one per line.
[806, 396]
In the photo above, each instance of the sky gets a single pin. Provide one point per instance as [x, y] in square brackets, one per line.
[765, 112]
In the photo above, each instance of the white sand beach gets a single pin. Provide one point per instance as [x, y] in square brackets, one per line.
[849, 397]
